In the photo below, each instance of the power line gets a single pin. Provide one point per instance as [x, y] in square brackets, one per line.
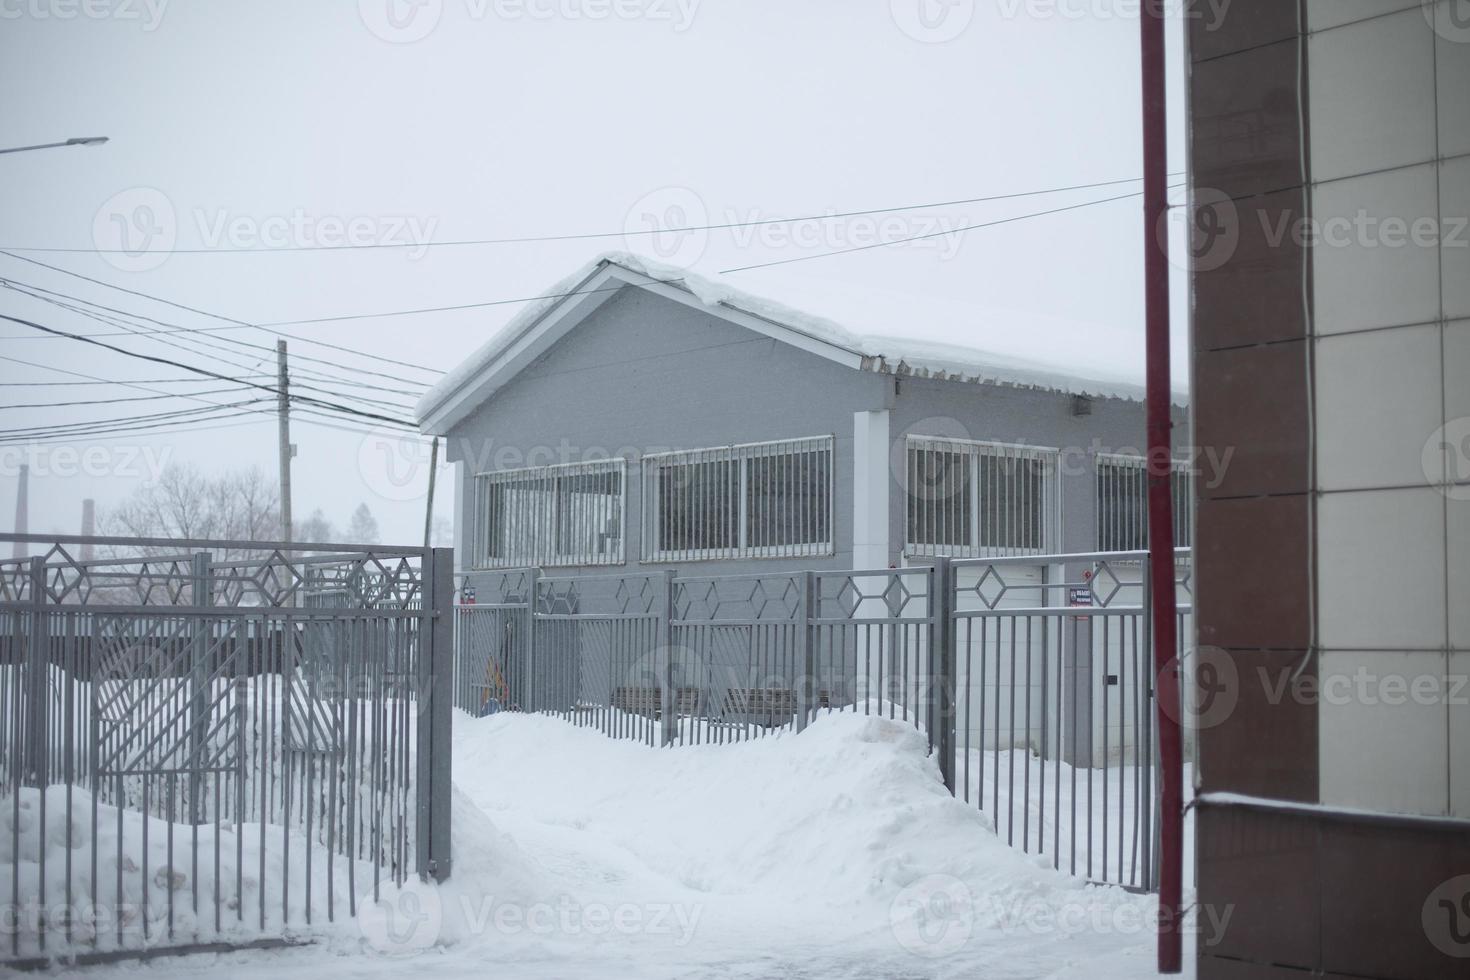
[933, 234]
[115, 401]
[234, 324]
[201, 425]
[531, 239]
[207, 373]
[26, 289]
[92, 378]
[129, 422]
[310, 375]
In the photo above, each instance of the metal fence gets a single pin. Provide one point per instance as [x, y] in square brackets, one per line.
[1030, 675]
[669, 661]
[216, 743]
[1054, 709]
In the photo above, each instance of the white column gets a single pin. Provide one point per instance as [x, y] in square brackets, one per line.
[870, 482]
[460, 518]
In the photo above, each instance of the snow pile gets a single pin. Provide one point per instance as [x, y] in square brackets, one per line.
[147, 882]
[1051, 366]
[839, 845]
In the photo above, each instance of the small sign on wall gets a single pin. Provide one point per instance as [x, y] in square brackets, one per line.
[1079, 596]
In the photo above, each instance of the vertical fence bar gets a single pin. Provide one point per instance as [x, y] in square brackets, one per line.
[33, 681]
[805, 695]
[942, 667]
[435, 716]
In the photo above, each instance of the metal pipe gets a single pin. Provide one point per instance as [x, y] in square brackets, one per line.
[1160, 483]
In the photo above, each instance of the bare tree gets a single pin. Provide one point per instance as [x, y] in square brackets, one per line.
[241, 505]
[315, 529]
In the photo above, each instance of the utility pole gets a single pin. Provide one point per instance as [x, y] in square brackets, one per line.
[89, 526]
[283, 431]
[22, 517]
[429, 507]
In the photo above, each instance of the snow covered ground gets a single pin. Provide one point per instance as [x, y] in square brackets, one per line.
[835, 852]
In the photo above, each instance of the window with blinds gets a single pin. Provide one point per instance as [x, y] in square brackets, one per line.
[769, 499]
[1122, 503]
[973, 499]
[570, 514]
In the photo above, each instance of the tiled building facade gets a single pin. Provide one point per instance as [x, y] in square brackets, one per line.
[1332, 355]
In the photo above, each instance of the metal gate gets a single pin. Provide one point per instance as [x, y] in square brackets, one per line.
[1032, 676]
[216, 743]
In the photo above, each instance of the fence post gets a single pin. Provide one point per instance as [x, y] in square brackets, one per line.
[199, 696]
[805, 654]
[942, 670]
[435, 692]
[669, 699]
[34, 681]
[533, 587]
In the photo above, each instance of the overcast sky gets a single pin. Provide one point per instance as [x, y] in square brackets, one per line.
[253, 126]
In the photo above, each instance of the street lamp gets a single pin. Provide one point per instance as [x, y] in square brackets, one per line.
[74, 141]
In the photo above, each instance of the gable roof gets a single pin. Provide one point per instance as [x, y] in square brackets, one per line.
[562, 307]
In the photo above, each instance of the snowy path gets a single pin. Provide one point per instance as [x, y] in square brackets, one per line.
[835, 853]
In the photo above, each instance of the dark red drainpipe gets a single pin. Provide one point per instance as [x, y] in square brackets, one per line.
[1160, 498]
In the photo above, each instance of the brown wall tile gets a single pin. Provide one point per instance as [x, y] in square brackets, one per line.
[1375, 881]
[1260, 868]
[1265, 744]
[1248, 283]
[1245, 24]
[1244, 121]
[1252, 582]
[1251, 413]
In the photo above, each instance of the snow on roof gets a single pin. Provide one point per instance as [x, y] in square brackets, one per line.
[891, 354]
